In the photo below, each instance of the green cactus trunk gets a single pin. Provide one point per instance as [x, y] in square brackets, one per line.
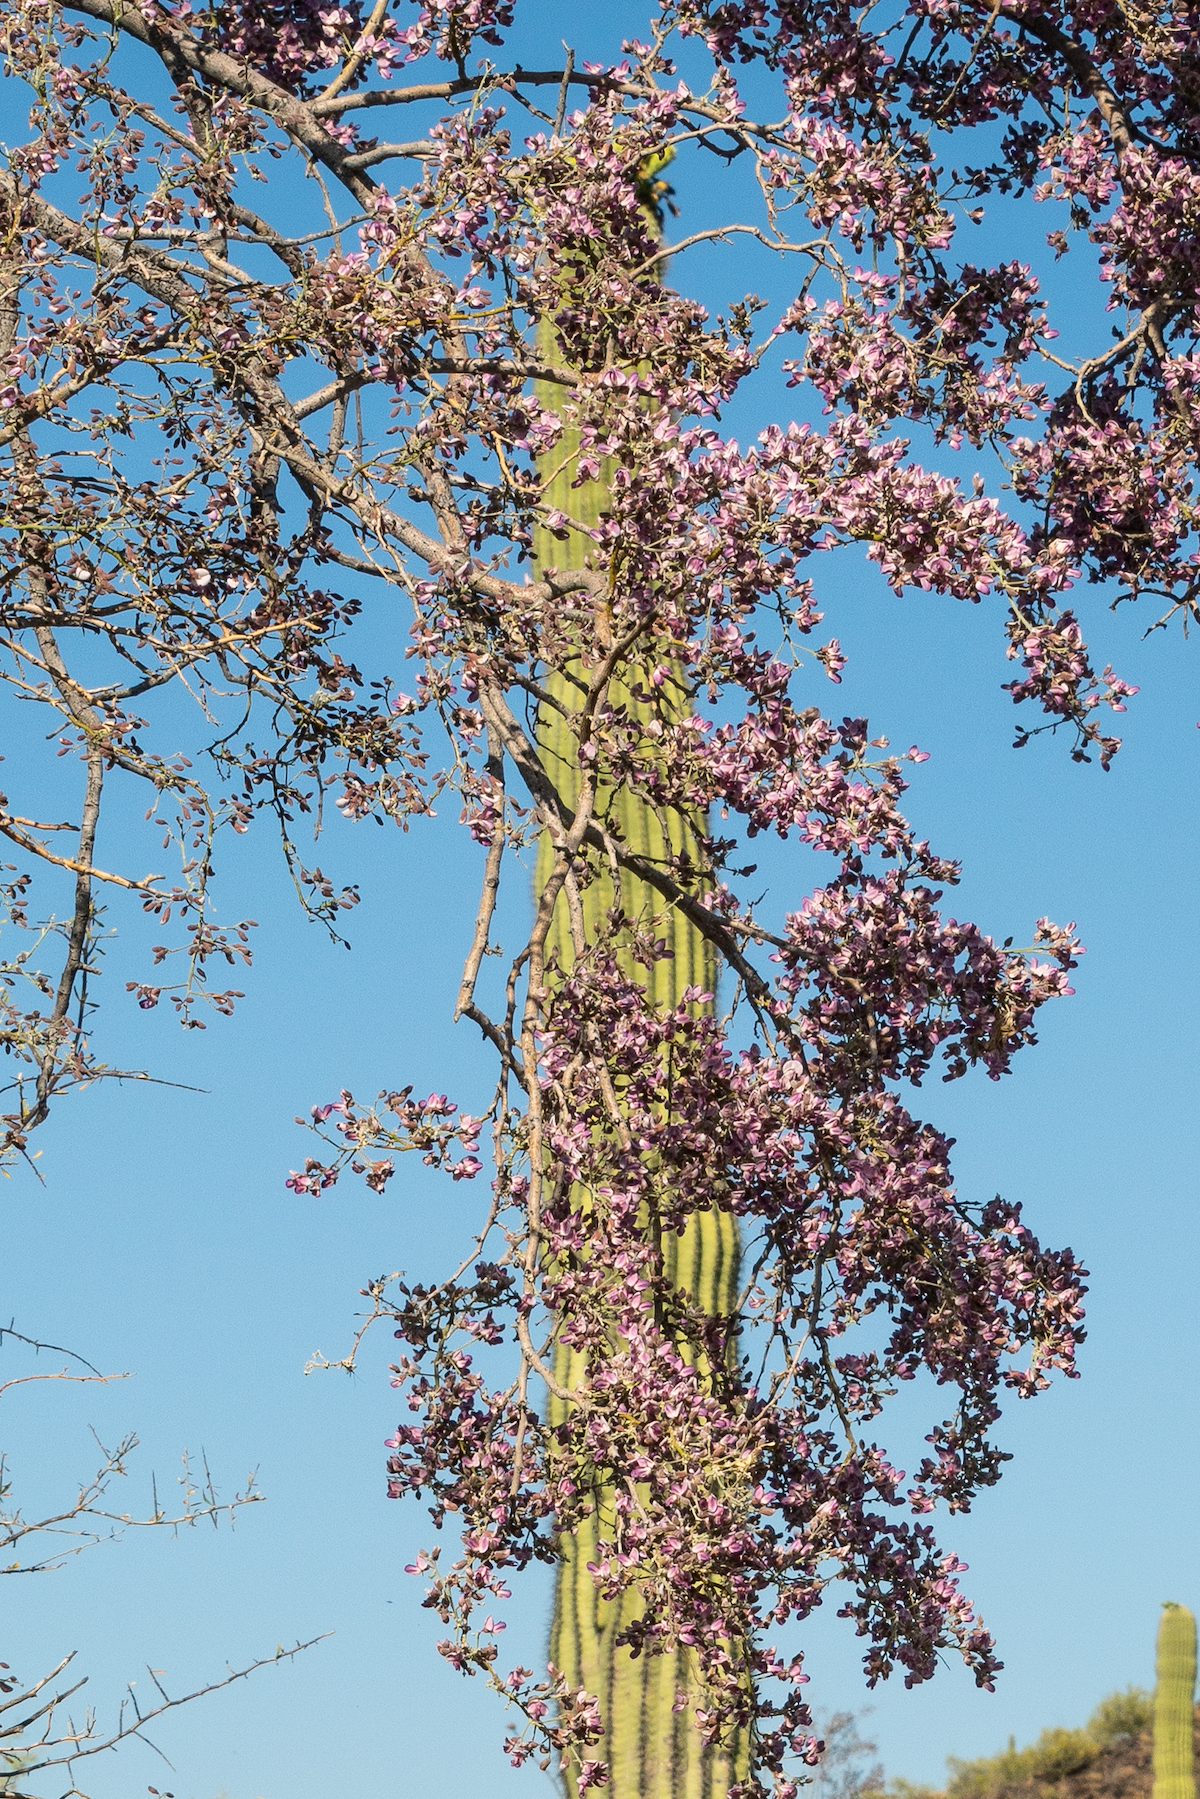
[1174, 1705]
[653, 1751]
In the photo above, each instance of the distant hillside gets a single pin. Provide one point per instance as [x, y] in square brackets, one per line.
[1110, 1758]
[1120, 1769]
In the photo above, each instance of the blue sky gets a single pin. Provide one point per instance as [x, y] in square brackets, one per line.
[165, 1242]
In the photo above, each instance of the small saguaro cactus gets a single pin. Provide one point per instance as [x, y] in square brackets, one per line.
[1174, 1703]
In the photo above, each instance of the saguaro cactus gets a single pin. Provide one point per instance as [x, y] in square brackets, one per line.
[653, 1750]
[1174, 1705]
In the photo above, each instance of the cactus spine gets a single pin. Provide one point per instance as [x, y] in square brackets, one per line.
[1174, 1705]
[653, 1751]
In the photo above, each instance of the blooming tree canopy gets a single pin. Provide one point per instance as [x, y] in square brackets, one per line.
[314, 317]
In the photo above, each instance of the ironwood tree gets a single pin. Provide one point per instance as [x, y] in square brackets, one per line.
[347, 413]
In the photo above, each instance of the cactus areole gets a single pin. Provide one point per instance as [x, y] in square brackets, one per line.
[1174, 1705]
